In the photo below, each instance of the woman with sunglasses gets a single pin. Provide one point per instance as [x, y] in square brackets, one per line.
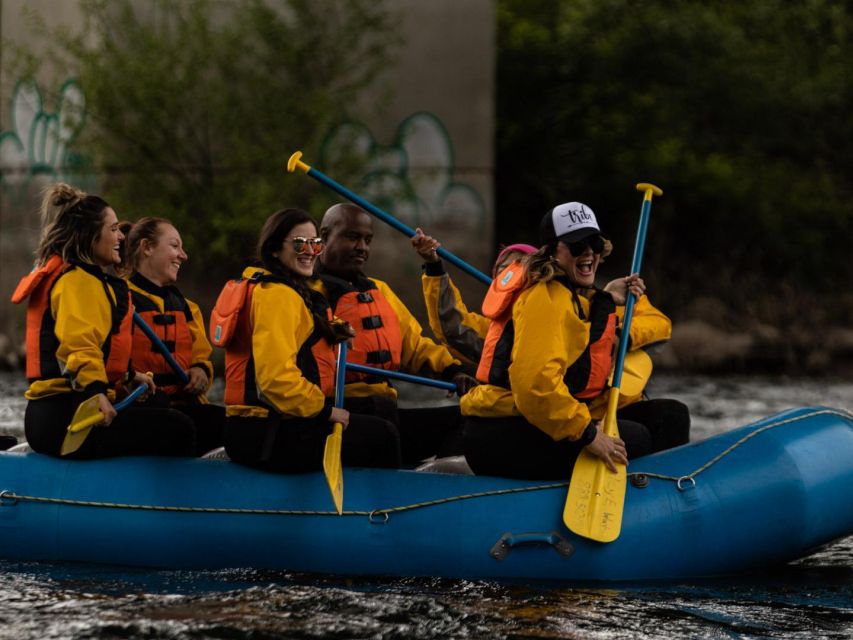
[280, 364]
[549, 354]
[153, 256]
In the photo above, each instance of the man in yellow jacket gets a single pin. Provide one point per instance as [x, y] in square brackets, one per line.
[387, 337]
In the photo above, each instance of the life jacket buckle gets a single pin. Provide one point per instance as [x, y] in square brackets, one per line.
[371, 322]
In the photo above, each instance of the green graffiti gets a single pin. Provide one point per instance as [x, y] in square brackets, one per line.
[39, 142]
[413, 177]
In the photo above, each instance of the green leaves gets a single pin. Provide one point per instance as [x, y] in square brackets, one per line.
[194, 106]
[735, 109]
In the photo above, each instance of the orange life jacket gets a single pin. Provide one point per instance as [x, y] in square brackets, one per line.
[588, 376]
[378, 339]
[172, 326]
[315, 359]
[42, 341]
[585, 378]
[497, 305]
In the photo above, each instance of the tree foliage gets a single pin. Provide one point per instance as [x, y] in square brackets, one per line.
[737, 110]
[194, 107]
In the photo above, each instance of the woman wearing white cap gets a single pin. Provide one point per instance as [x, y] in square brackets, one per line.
[548, 357]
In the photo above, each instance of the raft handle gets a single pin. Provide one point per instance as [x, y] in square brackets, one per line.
[8, 498]
[509, 540]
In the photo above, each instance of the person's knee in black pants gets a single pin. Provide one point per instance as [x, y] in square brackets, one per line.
[667, 420]
[637, 438]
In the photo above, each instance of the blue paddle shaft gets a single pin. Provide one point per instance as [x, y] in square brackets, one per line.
[636, 263]
[133, 395]
[396, 375]
[391, 220]
[341, 375]
[158, 344]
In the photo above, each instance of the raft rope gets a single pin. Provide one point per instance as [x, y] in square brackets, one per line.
[381, 516]
[691, 477]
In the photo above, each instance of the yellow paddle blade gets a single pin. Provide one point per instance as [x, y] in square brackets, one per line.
[88, 414]
[596, 497]
[332, 466]
[635, 373]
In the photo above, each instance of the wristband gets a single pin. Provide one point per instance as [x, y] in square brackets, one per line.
[588, 434]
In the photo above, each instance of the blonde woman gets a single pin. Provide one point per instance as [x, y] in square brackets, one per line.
[154, 253]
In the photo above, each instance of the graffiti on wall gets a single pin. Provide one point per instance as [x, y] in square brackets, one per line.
[38, 143]
[414, 175]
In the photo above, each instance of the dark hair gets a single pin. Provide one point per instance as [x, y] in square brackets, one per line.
[147, 228]
[273, 233]
[71, 224]
[270, 242]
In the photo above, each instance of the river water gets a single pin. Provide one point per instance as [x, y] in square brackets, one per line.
[810, 599]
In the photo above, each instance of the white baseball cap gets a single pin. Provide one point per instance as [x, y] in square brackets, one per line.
[569, 222]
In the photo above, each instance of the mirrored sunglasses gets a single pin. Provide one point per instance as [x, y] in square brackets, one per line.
[307, 245]
[596, 243]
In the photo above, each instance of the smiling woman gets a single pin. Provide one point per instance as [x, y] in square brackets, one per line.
[548, 356]
[154, 254]
[280, 364]
[79, 337]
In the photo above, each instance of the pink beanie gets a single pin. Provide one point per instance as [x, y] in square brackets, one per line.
[520, 248]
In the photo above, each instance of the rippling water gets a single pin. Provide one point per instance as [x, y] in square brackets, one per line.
[810, 599]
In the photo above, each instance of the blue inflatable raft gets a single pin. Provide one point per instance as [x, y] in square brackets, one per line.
[763, 494]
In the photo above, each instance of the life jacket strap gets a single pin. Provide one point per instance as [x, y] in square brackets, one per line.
[170, 345]
[378, 357]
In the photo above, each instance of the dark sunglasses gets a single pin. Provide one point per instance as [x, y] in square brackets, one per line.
[307, 245]
[577, 249]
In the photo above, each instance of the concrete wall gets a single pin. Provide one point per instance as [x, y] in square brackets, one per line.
[29, 159]
[435, 138]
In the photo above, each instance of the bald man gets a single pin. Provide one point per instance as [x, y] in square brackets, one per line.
[387, 336]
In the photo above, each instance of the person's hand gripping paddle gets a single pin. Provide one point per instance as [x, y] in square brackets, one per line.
[88, 415]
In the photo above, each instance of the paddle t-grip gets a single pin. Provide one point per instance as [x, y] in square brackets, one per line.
[295, 163]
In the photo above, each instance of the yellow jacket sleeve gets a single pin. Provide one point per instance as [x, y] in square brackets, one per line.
[648, 325]
[201, 345]
[418, 351]
[461, 330]
[281, 323]
[549, 337]
[83, 322]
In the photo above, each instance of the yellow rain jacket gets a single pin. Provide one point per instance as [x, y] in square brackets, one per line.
[461, 330]
[281, 324]
[91, 332]
[548, 337]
